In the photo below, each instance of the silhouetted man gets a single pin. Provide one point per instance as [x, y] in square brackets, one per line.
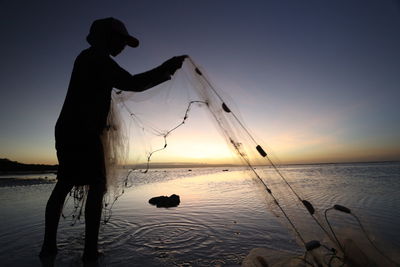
[82, 121]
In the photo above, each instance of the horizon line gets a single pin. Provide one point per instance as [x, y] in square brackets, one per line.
[194, 164]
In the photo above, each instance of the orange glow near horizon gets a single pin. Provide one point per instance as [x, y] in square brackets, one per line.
[284, 157]
[211, 148]
[199, 142]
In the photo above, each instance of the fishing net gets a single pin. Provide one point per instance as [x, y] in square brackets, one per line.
[140, 133]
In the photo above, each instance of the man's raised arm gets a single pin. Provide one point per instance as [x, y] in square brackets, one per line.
[123, 80]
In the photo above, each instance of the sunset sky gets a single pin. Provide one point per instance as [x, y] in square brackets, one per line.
[317, 81]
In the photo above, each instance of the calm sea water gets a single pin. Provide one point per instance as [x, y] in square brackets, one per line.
[222, 215]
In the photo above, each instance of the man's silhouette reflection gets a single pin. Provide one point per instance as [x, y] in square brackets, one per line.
[82, 120]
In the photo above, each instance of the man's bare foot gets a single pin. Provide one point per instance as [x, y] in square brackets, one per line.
[92, 256]
[48, 252]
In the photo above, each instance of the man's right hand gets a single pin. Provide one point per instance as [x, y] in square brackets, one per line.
[173, 64]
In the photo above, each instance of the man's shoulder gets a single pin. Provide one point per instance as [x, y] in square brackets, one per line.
[91, 56]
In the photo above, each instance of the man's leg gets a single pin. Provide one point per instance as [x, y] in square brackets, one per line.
[93, 208]
[53, 212]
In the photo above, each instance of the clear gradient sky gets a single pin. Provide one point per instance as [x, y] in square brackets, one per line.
[318, 81]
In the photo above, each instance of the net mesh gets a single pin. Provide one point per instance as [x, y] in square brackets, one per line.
[138, 134]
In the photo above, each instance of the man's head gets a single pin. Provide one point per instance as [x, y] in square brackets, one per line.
[110, 34]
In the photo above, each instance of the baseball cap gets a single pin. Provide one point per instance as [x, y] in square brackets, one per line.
[104, 27]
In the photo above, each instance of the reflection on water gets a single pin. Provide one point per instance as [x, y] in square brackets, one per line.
[222, 216]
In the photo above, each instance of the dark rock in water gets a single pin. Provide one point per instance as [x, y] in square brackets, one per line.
[225, 170]
[189, 170]
[165, 202]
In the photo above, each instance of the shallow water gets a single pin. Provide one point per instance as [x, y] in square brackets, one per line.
[221, 217]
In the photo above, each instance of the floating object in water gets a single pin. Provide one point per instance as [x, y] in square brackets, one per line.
[165, 202]
[225, 170]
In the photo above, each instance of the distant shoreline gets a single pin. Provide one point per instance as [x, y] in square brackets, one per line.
[27, 172]
[13, 167]
[8, 167]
